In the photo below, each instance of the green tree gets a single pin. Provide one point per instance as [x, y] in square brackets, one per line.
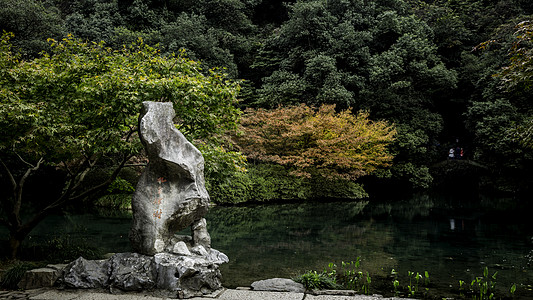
[370, 55]
[32, 22]
[518, 75]
[76, 109]
[517, 78]
[333, 145]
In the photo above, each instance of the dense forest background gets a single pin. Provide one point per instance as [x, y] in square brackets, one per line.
[428, 67]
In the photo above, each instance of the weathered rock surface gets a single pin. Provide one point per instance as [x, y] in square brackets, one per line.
[132, 272]
[170, 195]
[164, 274]
[278, 285]
[88, 274]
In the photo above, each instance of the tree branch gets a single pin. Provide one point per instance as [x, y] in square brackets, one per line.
[22, 159]
[105, 183]
[28, 226]
[18, 191]
[82, 175]
[10, 175]
[134, 165]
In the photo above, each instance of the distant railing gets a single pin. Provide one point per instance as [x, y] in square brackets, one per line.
[459, 161]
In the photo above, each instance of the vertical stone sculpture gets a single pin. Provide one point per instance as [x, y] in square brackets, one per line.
[171, 194]
[169, 197]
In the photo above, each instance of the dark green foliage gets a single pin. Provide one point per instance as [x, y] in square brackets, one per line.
[32, 22]
[13, 275]
[66, 248]
[367, 55]
[268, 182]
[316, 281]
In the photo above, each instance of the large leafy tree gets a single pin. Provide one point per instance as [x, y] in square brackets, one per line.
[499, 118]
[76, 108]
[324, 143]
[517, 79]
[371, 55]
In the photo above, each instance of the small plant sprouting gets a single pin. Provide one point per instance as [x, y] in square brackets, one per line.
[512, 290]
[396, 285]
[461, 288]
[481, 287]
[366, 286]
[346, 275]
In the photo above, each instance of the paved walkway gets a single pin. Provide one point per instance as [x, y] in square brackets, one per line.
[48, 294]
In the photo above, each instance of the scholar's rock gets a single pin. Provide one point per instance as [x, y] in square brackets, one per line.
[170, 195]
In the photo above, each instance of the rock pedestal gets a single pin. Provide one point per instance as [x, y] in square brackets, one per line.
[164, 274]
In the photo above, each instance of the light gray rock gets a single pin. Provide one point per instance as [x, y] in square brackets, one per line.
[170, 195]
[87, 274]
[278, 285]
[180, 248]
[200, 234]
[186, 276]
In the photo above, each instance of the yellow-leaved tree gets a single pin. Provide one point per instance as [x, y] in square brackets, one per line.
[311, 142]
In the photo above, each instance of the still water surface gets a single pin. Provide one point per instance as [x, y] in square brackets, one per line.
[451, 238]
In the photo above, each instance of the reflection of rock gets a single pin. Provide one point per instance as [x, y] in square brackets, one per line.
[171, 194]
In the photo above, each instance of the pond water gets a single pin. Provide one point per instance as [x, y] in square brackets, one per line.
[451, 238]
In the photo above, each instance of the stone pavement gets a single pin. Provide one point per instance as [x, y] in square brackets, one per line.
[227, 294]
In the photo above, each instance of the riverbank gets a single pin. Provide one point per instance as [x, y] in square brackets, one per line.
[225, 294]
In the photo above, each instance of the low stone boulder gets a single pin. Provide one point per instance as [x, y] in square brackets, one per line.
[42, 277]
[87, 274]
[278, 285]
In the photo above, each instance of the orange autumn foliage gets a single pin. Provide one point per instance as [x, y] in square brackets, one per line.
[317, 141]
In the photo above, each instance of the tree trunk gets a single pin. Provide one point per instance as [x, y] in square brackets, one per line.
[14, 245]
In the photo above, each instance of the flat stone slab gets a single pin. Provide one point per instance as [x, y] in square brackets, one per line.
[278, 285]
[89, 295]
[259, 295]
[38, 278]
[353, 297]
[56, 295]
[226, 295]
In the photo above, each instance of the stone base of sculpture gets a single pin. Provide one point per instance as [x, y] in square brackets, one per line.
[194, 274]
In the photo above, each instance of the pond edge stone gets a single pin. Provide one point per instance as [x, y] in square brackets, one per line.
[278, 285]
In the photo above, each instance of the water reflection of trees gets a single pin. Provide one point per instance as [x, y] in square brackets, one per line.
[282, 240]
[407, 235]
